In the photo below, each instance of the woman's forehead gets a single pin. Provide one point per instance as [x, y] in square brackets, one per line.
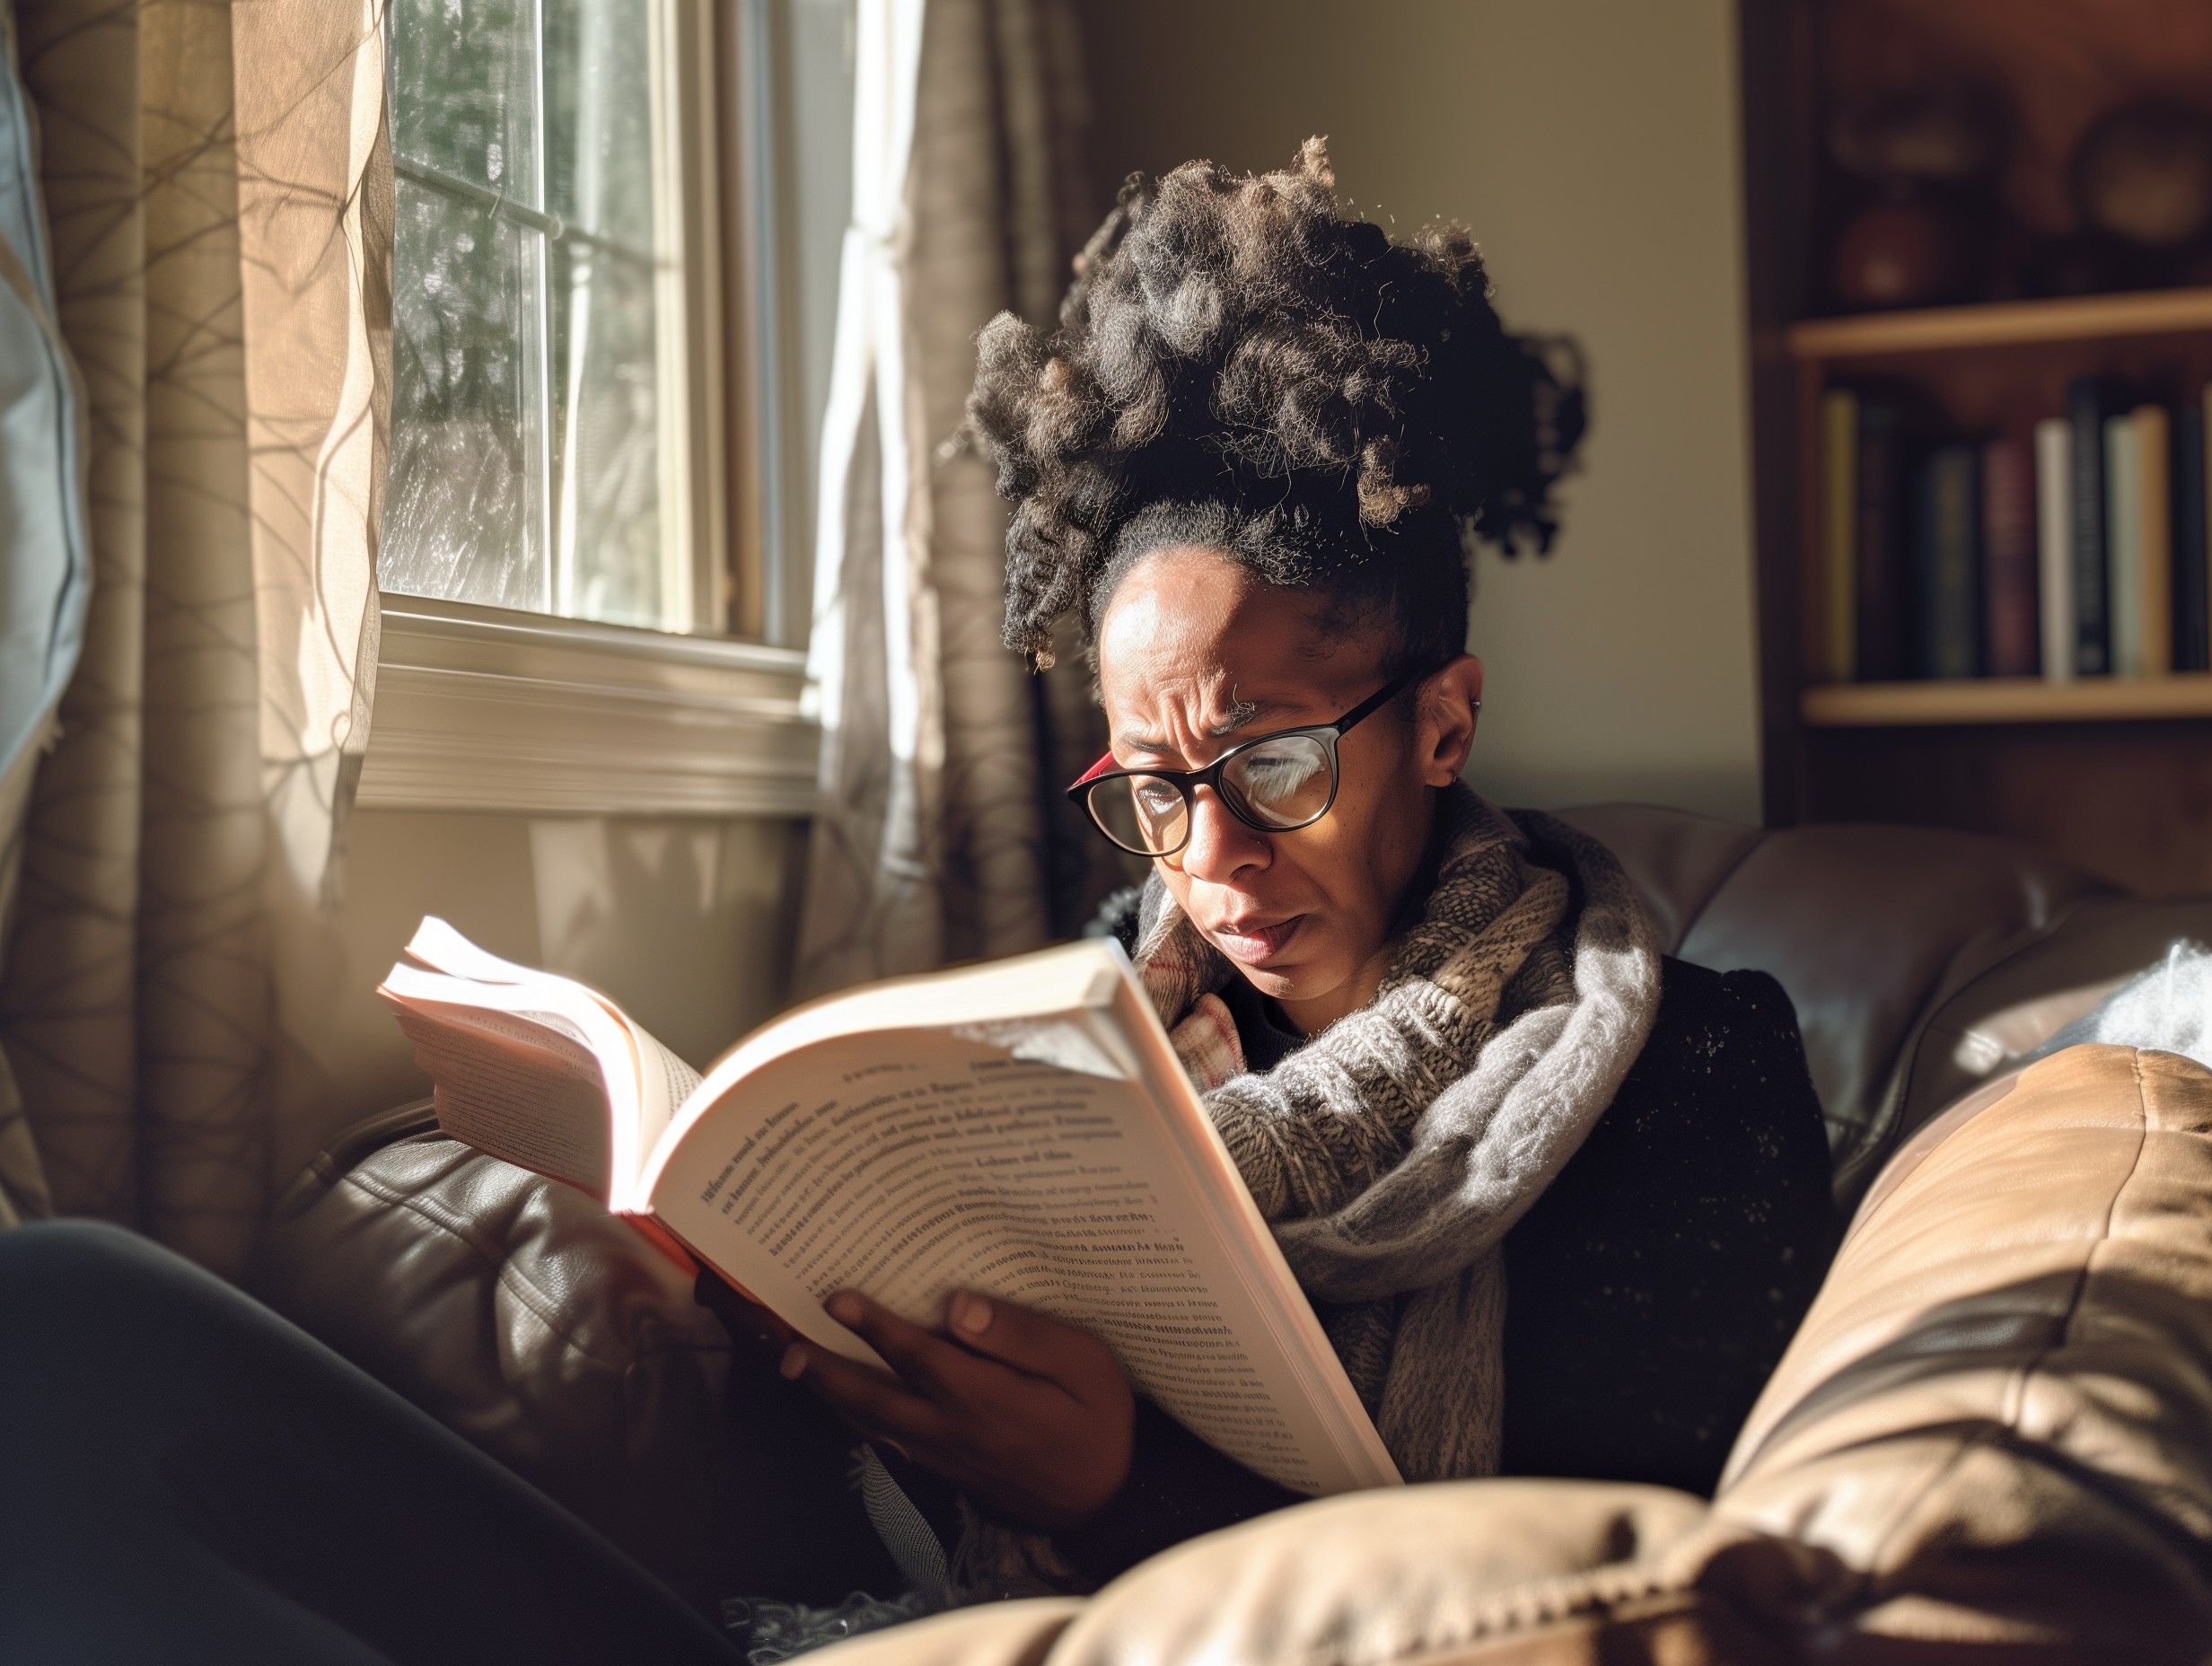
[1192, 635]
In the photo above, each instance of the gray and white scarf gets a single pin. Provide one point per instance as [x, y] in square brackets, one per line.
[1392, 1151]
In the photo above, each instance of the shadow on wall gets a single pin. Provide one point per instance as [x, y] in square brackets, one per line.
[686, 922]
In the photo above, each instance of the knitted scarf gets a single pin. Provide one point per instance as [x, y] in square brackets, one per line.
[1393, 1151]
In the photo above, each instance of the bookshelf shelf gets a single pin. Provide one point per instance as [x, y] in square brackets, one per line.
[2003, 324]
[2006, 700]
[2112, 774]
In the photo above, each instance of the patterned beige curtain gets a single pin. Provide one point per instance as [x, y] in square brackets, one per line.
[217, 190]
[942, 834]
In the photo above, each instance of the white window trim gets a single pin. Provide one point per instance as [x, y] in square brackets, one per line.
[487, 710]
[523, 713]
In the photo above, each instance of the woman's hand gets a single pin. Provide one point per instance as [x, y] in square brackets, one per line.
[1027, 1414]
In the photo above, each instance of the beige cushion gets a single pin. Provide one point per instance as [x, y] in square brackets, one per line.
[1996, 1419]
[1402, 1572]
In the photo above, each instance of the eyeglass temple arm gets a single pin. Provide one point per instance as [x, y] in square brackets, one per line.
[1381, 697]
[1105, 766]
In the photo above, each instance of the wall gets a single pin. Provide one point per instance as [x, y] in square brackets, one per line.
[686, 922]
[1594, 147]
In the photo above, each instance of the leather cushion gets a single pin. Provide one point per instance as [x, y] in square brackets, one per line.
[1998, 1417]
[1393, 1574]
[521, 1314]
[1868, 928]
[2018, 1005]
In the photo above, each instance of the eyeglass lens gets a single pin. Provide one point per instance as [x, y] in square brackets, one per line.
[1278, 786]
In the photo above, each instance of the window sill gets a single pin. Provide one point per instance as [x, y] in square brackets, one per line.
[484, 709]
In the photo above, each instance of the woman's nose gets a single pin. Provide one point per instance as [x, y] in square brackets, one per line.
[1220, 844]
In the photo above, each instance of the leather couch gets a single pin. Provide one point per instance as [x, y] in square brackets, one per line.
[1989, 1441]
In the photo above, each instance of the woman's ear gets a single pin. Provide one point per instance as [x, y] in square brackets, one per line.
[1445, 733]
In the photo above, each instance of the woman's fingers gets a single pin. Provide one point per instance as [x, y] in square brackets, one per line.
[923, 1359]
[878, 1403]
[1033, 1342]
[1024, 1411]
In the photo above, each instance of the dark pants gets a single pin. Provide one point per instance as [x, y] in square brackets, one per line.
[186, 1477]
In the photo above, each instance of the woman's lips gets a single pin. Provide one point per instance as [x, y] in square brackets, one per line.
[1256, 946]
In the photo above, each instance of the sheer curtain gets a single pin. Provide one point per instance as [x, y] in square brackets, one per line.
[218, 196]
[942, 833]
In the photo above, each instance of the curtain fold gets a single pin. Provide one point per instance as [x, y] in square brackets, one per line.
[942, 835]
[218, 196]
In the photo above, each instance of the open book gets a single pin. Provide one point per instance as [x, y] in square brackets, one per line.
[1021, 1128]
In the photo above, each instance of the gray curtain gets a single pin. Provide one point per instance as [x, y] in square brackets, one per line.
[217, 195]
[942, 834]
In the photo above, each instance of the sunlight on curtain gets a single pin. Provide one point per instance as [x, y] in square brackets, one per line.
[219, 211]
[942, 833]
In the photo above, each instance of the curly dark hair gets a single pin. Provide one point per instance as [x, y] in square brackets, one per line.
[1240, 365]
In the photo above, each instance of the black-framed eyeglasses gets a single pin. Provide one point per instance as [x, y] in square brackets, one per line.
[1274, 783]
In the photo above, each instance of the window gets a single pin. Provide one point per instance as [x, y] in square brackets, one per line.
[615, 274]
[555, 408]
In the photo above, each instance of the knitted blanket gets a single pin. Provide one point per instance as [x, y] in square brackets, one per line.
[1393, 1151]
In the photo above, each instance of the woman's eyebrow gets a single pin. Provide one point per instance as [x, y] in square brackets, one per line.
[1240, 711]
[1239, 714]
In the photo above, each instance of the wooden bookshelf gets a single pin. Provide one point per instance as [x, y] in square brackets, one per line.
[2113, 773]
[2006, 701]
[2004, 324]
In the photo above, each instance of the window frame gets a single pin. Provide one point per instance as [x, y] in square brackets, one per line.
[500, 710]
[488, 709]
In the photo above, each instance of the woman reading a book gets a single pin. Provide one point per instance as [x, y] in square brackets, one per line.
[1559, 1199]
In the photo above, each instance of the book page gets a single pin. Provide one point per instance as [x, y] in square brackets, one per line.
[641, 1100]
[487, 1101]
[910, 1162]
[664, 1083]
[521, 1087]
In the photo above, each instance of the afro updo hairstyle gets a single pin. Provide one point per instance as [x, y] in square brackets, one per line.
[1241, 366]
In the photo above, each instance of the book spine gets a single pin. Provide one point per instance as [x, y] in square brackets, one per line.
[2193, 595]
[1880, 610]
[2054, 544]
[2009, 577]
[2153, 535]
[1840, 534]
[2123, 572]
[1948, 619]
[2084, 400]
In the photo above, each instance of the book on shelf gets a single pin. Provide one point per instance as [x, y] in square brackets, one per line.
[1946, 563]
[1839, 533]
[1879, 613]
[2054, 545]
[2085, 399]
[2191, 515]
[2152, 554]
[2009, 577]
[2016, 555]
[1021, 1128]
[2123, 566]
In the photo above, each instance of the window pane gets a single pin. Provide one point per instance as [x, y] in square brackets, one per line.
[536, 386]
[464, 91]
[613, 560]
[464, 512]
